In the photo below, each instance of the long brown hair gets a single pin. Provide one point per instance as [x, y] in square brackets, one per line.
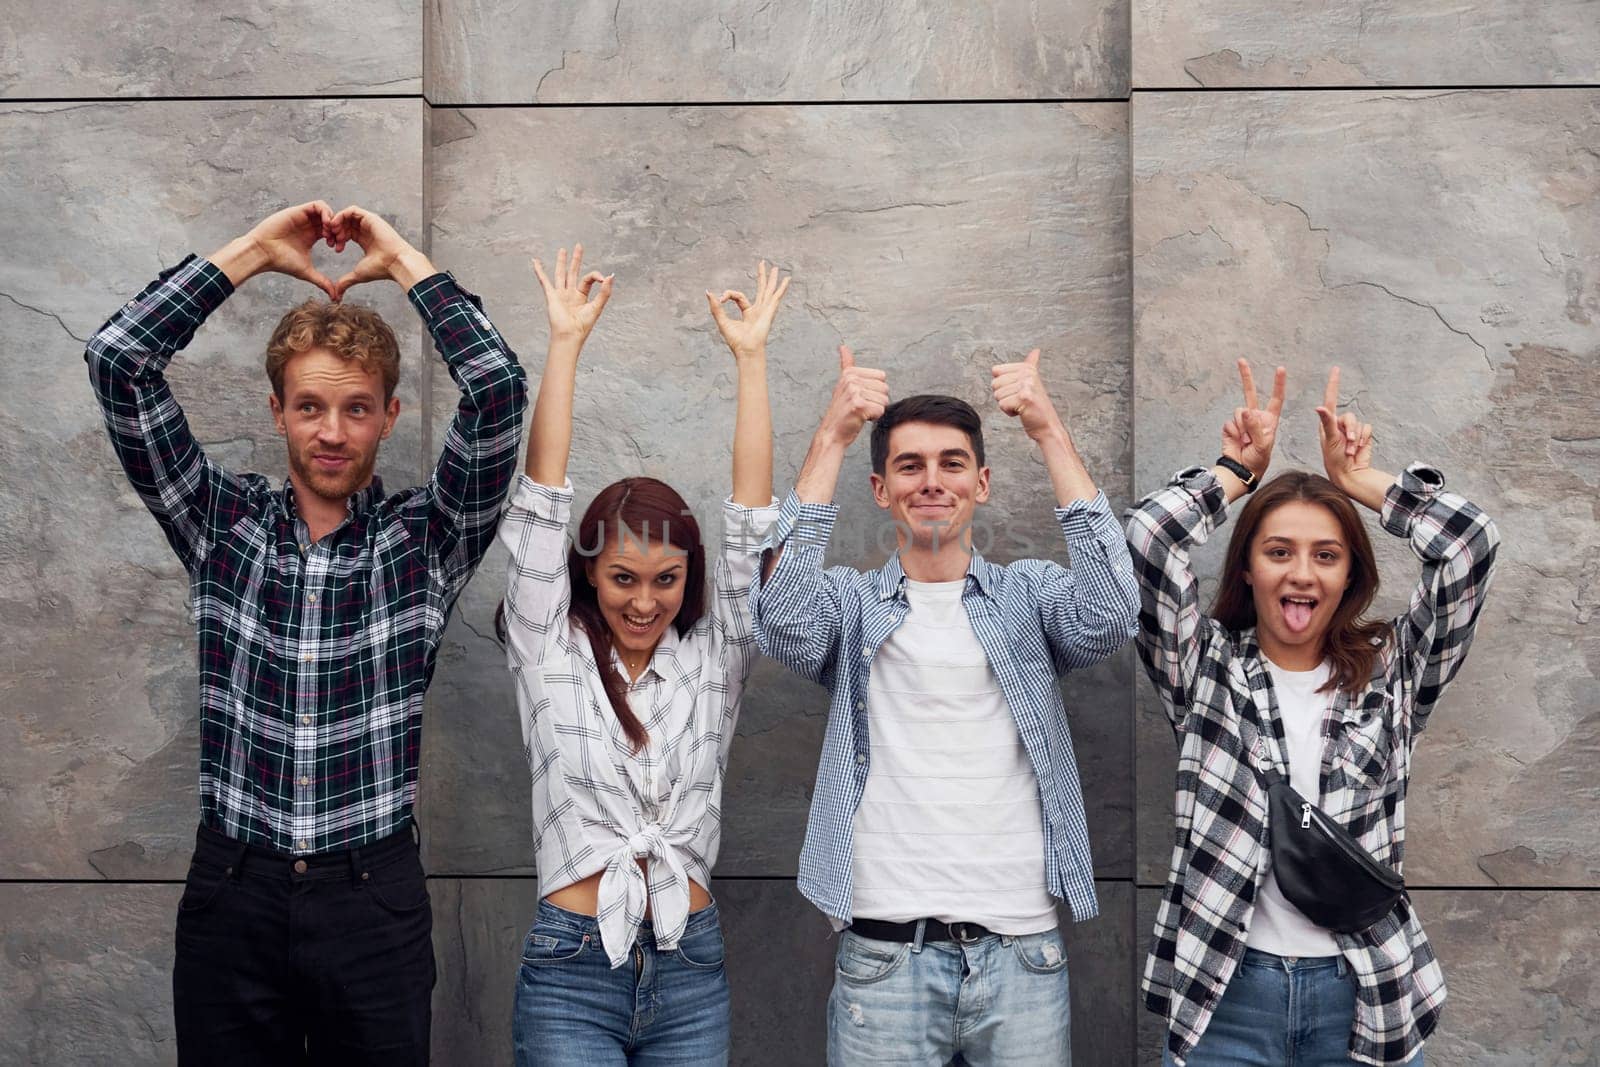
[646, 508]
[1350, 641]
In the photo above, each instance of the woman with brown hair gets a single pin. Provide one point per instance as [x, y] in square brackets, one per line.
[628, 686]
[1284, 934]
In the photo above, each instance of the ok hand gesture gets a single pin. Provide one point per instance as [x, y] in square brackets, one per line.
[1249, 436]
[566, 299]
[747, 336]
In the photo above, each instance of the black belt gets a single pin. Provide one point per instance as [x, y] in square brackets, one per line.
[932, 930]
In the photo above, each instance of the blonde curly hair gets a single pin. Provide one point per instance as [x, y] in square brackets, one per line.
[349, 331]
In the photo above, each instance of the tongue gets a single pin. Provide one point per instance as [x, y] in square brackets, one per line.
[1297, 615]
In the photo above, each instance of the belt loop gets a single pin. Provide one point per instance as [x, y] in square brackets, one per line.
[1341, 965]
[922, 926]
[358, 873]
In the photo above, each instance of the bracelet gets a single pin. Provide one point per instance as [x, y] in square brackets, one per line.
[1239, 470]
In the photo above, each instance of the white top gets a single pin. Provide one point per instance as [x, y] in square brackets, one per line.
[598, 805]
[950, 825]
[1278, 926]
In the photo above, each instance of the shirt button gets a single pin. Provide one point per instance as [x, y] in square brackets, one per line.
[861, 705]
[311, 598]
[302, 548]
[300, 865]
[302, 846]
[861, 759]
[305, 720]
[866, 651]
[306, 658]
[305, 780]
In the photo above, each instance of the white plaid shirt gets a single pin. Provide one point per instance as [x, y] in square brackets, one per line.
[1035, 619]
[1204, 673]
[598, 805]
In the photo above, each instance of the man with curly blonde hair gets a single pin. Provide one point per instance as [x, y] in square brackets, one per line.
[304, 930]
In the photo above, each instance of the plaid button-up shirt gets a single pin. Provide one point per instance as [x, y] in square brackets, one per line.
[314, 657]
[1035, 619]
[1205, 674]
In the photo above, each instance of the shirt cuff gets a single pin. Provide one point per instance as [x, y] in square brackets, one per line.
[745, 529]
[433, 294]
[1409, 497]
[1088, 519]
[547, 502]
[202, 280]
[809, 525]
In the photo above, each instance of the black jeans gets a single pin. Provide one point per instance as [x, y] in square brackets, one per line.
[308, 960]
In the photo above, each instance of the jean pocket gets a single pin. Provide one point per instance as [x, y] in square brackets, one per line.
[862, 960]
[203, 886]
[702, 949]
[401, 887]
[547, 943]
[1042, 953]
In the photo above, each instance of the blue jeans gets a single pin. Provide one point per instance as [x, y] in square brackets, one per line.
[1282, 1011]
[660, 1008]
[998, 1000]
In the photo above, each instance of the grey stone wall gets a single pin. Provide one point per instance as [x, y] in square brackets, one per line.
[1129, 184]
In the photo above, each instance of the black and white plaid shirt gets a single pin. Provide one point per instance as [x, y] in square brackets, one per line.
[597, 804]
[1204, 674]
[314, 657]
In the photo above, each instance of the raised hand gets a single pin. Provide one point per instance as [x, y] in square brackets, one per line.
[1020, 392]
[747, 335]
[566, 297]
[1346, 440]
[859, 396]
[1249, 436]
[385, 254]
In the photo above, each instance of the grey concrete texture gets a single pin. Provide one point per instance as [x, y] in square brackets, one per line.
[236, 48]
[936, 241]
[1245, 43]
[99, 742]
[1442, 250]
[1518, 977]
[676, 51]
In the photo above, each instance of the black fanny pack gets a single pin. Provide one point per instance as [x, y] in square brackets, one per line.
[1321, 868]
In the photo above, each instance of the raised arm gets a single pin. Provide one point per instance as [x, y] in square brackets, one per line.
[1089, 610]
[1164, 526]
[746, 338]
[572, 316]
[1456, 542]
[191, 498]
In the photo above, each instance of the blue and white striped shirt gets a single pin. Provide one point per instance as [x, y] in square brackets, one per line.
[1035, 619]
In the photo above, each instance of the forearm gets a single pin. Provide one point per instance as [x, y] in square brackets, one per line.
[752, 435]
[550, 441]
[1368, 488]
[240, 259]
[1068, 476]
[410, 267]
[819, 474]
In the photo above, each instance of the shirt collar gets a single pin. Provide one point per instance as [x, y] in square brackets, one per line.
[666, 649]
[891, 577]
[359, 504]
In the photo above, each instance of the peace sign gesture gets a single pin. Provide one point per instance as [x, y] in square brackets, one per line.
[1249, 436]
[1346, 440]
[566, 299]
[747, 335]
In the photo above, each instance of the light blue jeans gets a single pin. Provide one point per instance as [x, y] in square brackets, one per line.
[1282, 1011]
[662, 1007]
[996, 1002]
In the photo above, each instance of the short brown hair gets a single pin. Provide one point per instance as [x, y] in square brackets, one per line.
[349, 331]
[1353, 640]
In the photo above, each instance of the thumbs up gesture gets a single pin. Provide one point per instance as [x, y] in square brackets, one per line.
[1020, 392]
[859, 396]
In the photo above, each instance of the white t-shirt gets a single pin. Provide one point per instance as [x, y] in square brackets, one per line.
[1278, 926]
[950, 825]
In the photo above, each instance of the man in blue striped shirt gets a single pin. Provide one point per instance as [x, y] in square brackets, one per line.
[947, 817]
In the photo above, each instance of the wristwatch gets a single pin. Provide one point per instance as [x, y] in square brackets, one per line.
[1243, 473]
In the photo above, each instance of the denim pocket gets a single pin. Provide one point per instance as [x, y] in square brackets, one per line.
[400, 887]
[1042, 953]
[202, 887]
[862, 960]
[548, 943]
[703, 948]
